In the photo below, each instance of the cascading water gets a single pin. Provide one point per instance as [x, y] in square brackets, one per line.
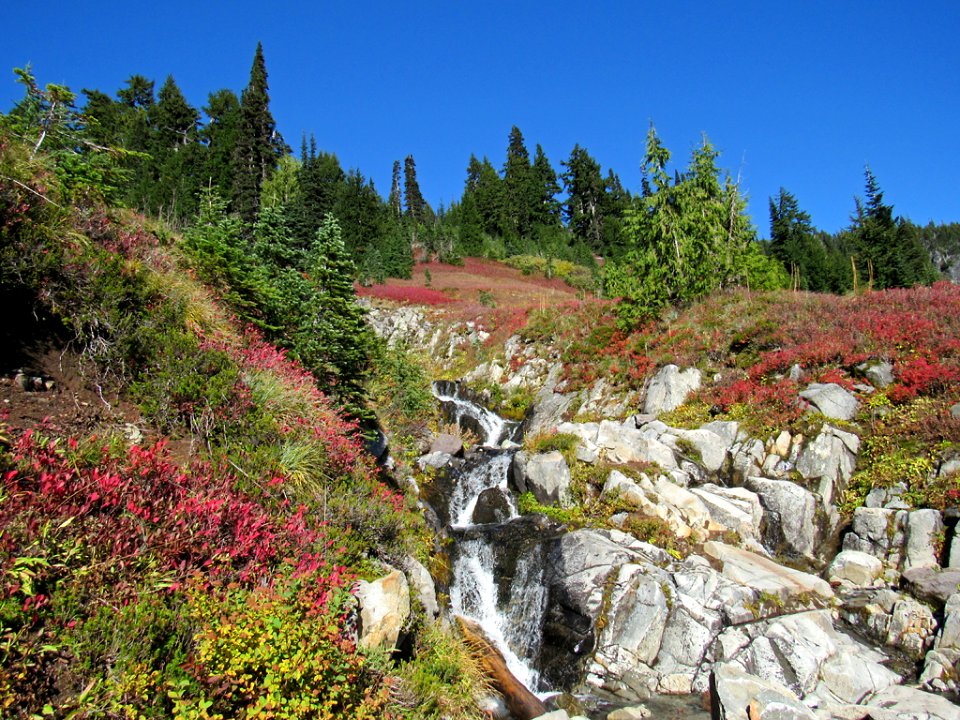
[505, 596]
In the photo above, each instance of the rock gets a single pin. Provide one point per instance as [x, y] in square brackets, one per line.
[831, 400]
[791, 513]
[911, 627]
[384, 609]
[634, 712]
[549, 407]
[448, 444]
[878, 532]
[625, 445]
[434, 460]
[764, 575]
[736, 509]
[851, 678]
[949, 638]
[420, 581]
[856, 568]
[711, 448]
[830, 459]
[737, 695]
[546, 475]
[492, 507]
[932, 585]
[924, 531]
[898, 702]
[880, 374]
[669, 389]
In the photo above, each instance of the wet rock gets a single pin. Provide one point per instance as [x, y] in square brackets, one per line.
[669, 389]
[384, 609]
[831, 400]
[492, 507]
[434, 460]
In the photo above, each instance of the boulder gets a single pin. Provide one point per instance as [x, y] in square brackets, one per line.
[911, 627]
[420, 581]
[492, 507]
[546, 475]
[924, 532]
[831, 400]
[447, 443]
[932, 585]
[949, 637]
[880, 374]
[856, 568]
[878, 532]
[738, 695]
[898, 702]
[711, 448]
[764, 575]
[384, 609]
[791, 513]
[434, 460]
[736, 509]
[829, 459]
[669, 389]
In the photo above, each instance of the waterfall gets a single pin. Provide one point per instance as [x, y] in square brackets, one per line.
[498, 568]
[460, 409]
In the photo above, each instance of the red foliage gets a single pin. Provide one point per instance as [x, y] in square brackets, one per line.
[413, 295]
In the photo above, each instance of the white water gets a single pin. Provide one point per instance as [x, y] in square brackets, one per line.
[511, 623]
[492, 424]
[487, 475]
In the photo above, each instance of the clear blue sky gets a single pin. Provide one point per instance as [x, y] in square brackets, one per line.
[800, 94]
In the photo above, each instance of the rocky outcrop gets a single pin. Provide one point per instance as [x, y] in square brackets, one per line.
[669, 388]
[545, 475]
[831, 400]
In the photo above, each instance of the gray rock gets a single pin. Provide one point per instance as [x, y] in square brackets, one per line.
[791, 513]
[911, 627]
[635, 620]
[898, 702]
[546, 475]
[669, 389]
[924, 530]
[955, 411]
[831, 400]
[856, 568]
[949, 637]
[492, 507]
[764, 575]
[736, 509]
[635, 712]
[880, 374]
[830, 459]
[711, 447]
[932, 585]
[434, 460]
[851, 678]
[736, 693]
[420, 581]
[878, 532]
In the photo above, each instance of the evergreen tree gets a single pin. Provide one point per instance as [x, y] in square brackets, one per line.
[220, 136]
[548, 188]
[484, 183]
[320, 180]
[177, 156]
[521, 192]
[333, 339]
[583, 210]
[888, 253]
[258, 146]
[794, 243]
[416, 206]
[395, 201]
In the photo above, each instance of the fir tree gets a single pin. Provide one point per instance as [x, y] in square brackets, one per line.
[258, 146]
[548, 188]
[416, 206]
[395, 202]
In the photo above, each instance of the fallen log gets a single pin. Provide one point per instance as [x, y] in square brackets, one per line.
[522, 704]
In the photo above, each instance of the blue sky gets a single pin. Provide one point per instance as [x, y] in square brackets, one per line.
[800, 95]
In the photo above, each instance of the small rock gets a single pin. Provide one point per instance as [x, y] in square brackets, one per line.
[635, 712]
[449, 444]
[857, 568]
[831, 400]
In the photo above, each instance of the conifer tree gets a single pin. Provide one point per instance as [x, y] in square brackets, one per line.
[258, 146]
[395, 202]
[548, 188]
[220, 136]
[416, 206]
[583, 210]
[521, 191]
[794, 243]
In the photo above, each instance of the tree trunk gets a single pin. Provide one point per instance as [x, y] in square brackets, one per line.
[521, 703]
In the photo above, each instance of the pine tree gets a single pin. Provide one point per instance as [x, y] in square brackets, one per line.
[177, 155]
[583, 210]
[794, 242]
[320, 181]
[548, 188]
[220, 136]
[521, 192]
[258, 146]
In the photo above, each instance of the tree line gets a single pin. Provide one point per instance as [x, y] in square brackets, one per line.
[683, 234]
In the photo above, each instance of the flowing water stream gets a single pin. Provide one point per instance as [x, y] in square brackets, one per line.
[502, 591]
